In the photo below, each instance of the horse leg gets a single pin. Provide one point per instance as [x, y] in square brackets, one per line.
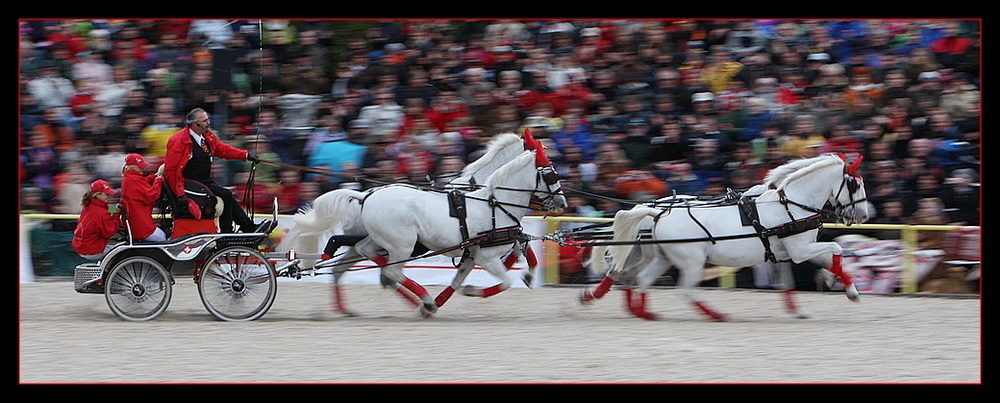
[339, 270]
[691, 271]
[838, 270]
[406, 286]
[636, 299]
[463, 271]
[588, 296]
[532, 261]
[498, 270]
[829, 255]
[784, 270]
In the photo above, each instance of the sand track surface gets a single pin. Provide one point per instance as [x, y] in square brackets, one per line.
[540, 335]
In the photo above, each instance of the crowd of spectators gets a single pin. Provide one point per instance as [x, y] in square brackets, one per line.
[629, 109]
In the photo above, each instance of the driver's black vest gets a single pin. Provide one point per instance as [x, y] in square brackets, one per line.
[199, 167]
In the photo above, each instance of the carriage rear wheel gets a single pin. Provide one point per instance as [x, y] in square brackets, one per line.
[237, 284]
[138, 289]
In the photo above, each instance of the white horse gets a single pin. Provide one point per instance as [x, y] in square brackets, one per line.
[788, 208]
[331, 216]
[397, 217]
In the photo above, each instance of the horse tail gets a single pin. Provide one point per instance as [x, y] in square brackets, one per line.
[626, 229]
[313, 225]
[596, 261]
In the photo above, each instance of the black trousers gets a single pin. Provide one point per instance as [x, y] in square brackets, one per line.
[232, 212]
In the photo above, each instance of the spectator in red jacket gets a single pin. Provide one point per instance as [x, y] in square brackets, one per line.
[97, 225]
[139, 194]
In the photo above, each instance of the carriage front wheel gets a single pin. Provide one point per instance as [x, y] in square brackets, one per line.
[138, 289]
[237, 284]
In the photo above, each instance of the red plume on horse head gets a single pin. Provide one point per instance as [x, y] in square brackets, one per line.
[529, 140]
[853, 168]
[531, 144]
[541, 159]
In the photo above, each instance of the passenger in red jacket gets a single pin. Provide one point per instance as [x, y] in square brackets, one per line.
[97, 224]
[139, 194]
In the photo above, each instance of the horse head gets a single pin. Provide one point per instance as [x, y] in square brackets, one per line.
[850, 200]
[552, 197]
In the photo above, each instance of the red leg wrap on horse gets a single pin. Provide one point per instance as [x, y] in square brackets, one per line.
[628, 300]
[338, 299]
[790, 300]
[408, 296]
[708, 311]
[639, 309]
[415, 288]
[491, 291]
[509, 262]
[603, 287]
[380, 260]
[837, 269]
[530, 256]
[444, 296]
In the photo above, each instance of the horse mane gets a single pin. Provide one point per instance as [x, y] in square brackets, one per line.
[783, 174]
[508, 169]
[497, 143]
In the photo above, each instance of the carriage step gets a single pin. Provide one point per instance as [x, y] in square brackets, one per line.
[87, 278]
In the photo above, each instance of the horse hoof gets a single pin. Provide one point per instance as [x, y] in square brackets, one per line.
[428, 309]
[802, 314]
[527, 279]
[586, 298]
[853, 294]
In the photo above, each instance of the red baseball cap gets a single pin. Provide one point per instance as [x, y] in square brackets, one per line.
[136, 159]
[101, 186]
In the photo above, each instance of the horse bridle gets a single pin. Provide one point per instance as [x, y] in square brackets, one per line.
[547, 175]
[852, 182]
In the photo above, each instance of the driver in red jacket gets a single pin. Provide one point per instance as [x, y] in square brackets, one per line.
[190, 153]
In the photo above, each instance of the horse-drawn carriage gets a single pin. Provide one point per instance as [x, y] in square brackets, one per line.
[235, 279]
[476, 219]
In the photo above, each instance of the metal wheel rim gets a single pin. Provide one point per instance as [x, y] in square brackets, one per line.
[237, 284]
[138, 289]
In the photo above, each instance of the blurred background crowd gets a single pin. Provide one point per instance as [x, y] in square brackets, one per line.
[629, 109]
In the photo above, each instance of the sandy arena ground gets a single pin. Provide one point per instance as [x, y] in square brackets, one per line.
[540, 335]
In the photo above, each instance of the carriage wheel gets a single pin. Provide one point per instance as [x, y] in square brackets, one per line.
[138, 289]
[237, 284]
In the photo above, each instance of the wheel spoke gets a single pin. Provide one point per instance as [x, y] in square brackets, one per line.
[138, 289]
[237, 284]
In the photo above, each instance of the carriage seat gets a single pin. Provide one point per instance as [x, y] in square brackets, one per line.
[184, 223]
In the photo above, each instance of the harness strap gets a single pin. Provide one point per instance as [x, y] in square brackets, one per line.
[456, 204]
[749, 208]
[796, 226]
[495, 237]
[707, 232]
